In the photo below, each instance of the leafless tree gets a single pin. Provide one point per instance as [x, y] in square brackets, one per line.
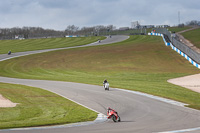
[193, 22]
[28, 32]
[38, 32]
[71, 29]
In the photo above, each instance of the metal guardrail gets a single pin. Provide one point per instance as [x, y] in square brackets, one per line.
[181, 46]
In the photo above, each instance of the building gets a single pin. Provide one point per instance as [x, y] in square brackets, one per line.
[135, 25]
[146, 26]
[124, 28]
[162, 26]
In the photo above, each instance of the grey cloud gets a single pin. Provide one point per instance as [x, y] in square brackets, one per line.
[61, 13]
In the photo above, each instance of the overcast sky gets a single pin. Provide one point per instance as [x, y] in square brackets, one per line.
[58, 14]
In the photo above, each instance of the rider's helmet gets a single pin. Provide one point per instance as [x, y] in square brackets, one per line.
[109, 108]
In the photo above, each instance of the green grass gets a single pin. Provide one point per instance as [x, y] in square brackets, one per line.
[193, 36]
[141, 63]
[47, 43]
[38, 107]
[177, 29]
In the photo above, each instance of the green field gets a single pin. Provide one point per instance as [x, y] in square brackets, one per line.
[193, 36]
[177, 29]
[38, 107]
[141, 63]
[129, 32]
[45, 43]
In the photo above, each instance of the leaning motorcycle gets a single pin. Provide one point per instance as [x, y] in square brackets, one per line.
[112, 115]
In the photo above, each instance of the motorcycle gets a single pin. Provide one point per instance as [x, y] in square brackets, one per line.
[113, 115]
[106, 86]
[9, 53]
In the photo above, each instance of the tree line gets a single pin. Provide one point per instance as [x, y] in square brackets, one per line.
[94, 31]
[190, 23]
[27, 32]
[38, 32]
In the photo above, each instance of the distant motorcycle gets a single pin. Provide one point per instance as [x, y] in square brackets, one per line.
[112, 114]
[106, 86]
[9, 53]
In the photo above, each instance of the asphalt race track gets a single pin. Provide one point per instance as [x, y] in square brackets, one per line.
[139, 114]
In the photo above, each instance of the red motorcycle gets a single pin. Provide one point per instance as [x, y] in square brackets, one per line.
[112, 114]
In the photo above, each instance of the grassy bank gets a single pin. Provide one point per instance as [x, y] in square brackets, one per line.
[193, 36]
[141, 63]
[38, 107]
[177, 29]
[45, 43]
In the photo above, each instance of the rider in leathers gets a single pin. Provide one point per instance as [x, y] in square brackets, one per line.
[109, 110]
[105, 81]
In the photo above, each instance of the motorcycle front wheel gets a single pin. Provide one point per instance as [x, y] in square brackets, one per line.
[119, 119]
[114, 118]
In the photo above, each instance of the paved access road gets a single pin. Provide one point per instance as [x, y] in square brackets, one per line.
[139, 114]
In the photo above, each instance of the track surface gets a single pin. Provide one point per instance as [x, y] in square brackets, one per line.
[139, 114]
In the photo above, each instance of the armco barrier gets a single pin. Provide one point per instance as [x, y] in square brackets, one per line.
[187, 50]
[177, 50]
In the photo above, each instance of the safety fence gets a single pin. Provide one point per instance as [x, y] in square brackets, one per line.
[180, 48]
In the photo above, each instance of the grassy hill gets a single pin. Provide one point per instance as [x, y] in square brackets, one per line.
[177, 29]
[141, 63]
[193, 36]
[45, 43]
